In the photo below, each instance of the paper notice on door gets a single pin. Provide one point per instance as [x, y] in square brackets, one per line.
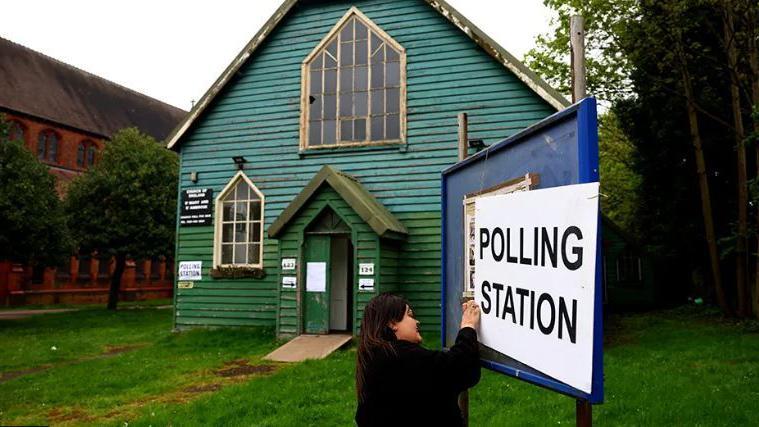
[316, 277]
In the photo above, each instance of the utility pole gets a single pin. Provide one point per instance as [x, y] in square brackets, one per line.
[577, 42]
[465, 296]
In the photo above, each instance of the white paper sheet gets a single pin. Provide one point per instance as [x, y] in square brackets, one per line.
[316, 277]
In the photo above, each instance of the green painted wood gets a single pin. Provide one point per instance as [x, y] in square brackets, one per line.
[316, 304]
[258, 114]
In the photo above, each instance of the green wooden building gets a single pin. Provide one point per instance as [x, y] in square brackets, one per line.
[323, 144]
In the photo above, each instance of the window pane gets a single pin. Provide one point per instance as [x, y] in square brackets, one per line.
[361, 54]
[393, 124]
[378, 126]
[241, 254]
[330, 130]
[346, 104]
[346, 80]
[314, 133]
[52, 150]
[393, 100]
[330, 81]
[254, 232]
[241, 190]
[376, 43]
[392, 54]
[378, 75]
[346, 130]
[359, 130]
[229, 211]
[241, 211]
[332, 48]
[360, 100]
[378, 102]
[226, 254]
[91, 156]
[317, 63]
[316, 107]
[41, 147]
[254, 254]
[360, 30]
[255, 211]
[346, 34]
[361, 78]
[316, 82]
[329, 62]
[393, 75]
[346, 54]
[80, 155]
[227, 233]
[241, 230]
[330, 106]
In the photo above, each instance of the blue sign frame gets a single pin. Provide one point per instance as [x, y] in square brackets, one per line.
[563, 150]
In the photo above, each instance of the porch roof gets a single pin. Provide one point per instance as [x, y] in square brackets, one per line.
[376, 215]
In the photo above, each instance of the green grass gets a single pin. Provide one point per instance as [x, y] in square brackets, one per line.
[676, 367]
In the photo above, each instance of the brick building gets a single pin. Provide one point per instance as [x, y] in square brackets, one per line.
[66, 116]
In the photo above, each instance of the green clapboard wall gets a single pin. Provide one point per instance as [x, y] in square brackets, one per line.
[257, 116]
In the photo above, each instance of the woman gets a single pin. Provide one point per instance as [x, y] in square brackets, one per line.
[401, 383]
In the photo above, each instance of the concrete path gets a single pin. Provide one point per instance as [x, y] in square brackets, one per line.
[305, 347]
[23, 314]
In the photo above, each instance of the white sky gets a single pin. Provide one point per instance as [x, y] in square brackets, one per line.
[174, 50]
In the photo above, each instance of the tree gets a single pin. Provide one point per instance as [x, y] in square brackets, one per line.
[125, 206]
[620, 183]
[32, 225]
[607, 67]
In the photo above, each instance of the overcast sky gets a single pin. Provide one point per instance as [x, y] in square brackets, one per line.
[174, 50]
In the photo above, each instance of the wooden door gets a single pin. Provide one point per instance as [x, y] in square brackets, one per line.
[316, 299]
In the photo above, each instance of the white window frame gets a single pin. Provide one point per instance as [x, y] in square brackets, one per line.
[219, 220]
[306, 84]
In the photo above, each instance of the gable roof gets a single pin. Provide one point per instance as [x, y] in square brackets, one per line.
[532, 80]
[356, 195]
[37, 85]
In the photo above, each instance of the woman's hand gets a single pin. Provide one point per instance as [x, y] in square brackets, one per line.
[470, 317]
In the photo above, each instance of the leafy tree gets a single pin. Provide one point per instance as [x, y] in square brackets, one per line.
[620, 183]
[125, 206]
[607, 66]
[32, 226]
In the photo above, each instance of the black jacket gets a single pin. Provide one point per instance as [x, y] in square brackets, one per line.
[417, 386]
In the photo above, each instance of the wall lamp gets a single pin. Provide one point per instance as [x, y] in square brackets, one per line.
[477, 144]
[239, 161]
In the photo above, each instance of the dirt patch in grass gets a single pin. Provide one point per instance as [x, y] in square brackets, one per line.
[203, 388]
[113, 350]
[58, 415]
[241, 368]
[7, 376]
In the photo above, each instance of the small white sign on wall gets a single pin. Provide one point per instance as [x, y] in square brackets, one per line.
[190, 270]
[365, 284]
[289, 282]
[366, 269]
[288, 263]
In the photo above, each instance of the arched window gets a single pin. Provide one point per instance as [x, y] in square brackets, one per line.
[354, 87]
[80, 154]
[91, 155]
[47, 146]
[17, 132]
[239, 224]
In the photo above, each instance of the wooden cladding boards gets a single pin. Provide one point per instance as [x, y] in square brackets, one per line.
[257, 116]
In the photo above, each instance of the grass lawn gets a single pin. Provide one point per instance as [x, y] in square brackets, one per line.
[676, 367]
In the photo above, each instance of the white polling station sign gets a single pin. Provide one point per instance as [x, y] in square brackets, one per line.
[535, 269]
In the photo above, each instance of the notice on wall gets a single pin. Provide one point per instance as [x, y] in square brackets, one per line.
[190, 270]
[366, 269]
[366, 284]
[196, 207]
[535, 256]
[185, 285]
[289, 282]
[288, 264]
[316, 277]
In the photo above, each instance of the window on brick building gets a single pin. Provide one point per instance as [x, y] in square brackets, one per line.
[17, 132]
[104, 267]
[85, 154]
[80, 155]
[85, 261]
[47, 146]
[91, 155]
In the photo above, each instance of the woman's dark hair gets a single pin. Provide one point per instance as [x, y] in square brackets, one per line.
[376, 334]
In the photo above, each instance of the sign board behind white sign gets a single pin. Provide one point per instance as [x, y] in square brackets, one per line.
[535, 257]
